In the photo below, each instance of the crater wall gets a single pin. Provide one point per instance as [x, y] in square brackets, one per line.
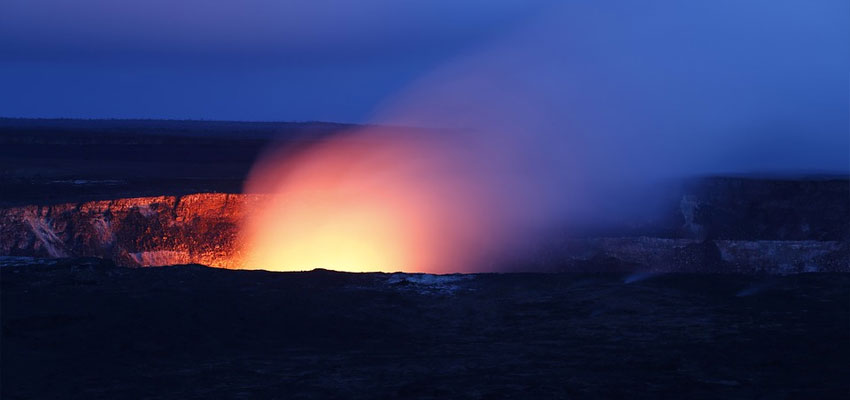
[713, 225]
[145, 231]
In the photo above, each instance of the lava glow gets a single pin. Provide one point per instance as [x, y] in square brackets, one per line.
[369, 201]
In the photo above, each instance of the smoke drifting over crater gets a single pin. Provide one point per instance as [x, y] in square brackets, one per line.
[537, 130]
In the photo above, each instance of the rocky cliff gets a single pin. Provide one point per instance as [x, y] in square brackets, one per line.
[717, 225]
[147, 231]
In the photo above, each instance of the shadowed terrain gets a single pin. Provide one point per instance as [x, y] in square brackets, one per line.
[50, 161]
[86, 329]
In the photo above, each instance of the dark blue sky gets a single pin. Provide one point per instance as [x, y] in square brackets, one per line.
[330, 60]
[763, 80]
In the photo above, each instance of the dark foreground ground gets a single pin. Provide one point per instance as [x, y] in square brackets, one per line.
[84, 329]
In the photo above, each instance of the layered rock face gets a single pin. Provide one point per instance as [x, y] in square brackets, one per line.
[654, 254]
[714, 225]
[146, 231]
[729, 224]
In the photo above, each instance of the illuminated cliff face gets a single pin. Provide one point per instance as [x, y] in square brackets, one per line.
[146, 231]
[366, 202]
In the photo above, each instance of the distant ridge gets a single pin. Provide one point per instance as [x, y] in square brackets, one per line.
[66, 119]
[167, 127]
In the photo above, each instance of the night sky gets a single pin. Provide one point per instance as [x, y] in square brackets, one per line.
[770, 77]
[331, 60]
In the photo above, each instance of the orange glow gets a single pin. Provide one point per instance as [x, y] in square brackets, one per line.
[365, 202]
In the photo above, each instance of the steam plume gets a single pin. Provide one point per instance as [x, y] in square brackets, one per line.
[531, 132]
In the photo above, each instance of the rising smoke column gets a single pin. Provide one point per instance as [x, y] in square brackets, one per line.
[587, 105]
